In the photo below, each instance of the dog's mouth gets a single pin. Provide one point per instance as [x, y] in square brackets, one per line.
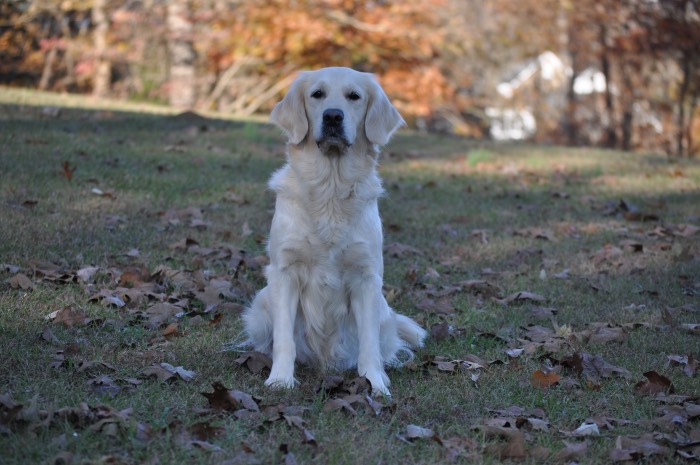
[333, 142]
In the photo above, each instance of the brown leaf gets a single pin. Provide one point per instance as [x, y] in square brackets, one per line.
[593, 368]
[205, 431]
[167, 372]
[512, 448]
[604, 333]
[254, 361]
[440, 307]
[159, 314]
[627, 448]
[396, 249]
[67, 170]
[571, 452]
[21, 281]
[216, 319]
[171, 331]
[655, 384]
[522, 296]
[69, 317]
[542, 380]
[230, 400]
[339, 404]
[482, 287]
[298, 422]
[159, 372]
[688, 362]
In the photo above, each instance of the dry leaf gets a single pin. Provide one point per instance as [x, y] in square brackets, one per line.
[254, 361]
[171, 331]
[654, 384]
[571, 452]
[21, 281]
[522, 296]
[69, 317]
[542, 380]
[417, 432]
[230, 400]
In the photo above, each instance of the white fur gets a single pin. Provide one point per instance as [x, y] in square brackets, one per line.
[323, 303]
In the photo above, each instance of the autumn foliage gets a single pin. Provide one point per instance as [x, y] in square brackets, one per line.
[440, 60]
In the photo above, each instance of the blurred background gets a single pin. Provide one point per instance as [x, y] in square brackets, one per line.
[611, 73]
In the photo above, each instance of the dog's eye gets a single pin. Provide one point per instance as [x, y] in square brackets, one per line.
[353, 96]
[318, 94]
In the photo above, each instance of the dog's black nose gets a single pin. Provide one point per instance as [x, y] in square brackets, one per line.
[333, 116]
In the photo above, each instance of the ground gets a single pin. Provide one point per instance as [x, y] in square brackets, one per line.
[560, 287]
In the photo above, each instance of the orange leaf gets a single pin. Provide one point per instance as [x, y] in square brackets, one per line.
[542, 380]
[68, 171]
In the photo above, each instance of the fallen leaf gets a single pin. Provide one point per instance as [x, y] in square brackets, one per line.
[230, 400]
[21, 281]
[339, 404]
[586, 429]
[255, 362]
[69, 317]
[594, 368]
[397, 250]
[159, 314]
[414, 432]
[522, 296]
[171, 331]
[627, 448]
[654, 384]
[540, 379]
[298, 422]
[571, 452]
[440, 307]
[68, 171]
[86, 274]
[166, 372]
[688, 363]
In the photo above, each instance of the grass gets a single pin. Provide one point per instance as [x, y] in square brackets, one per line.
[465, 205]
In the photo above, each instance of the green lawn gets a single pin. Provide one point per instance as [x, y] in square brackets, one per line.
[145, 231]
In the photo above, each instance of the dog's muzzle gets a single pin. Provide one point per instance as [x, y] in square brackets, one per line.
[333, 139]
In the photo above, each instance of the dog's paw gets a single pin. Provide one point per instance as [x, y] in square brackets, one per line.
[380, 383]
[280, 383]
[283, 379]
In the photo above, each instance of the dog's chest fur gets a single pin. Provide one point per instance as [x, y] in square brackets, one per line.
[332, 192]
[336, 225]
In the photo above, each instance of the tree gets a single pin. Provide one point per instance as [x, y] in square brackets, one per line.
[182, 89]
[103, 67]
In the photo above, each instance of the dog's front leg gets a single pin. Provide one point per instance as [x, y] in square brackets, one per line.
[367, 306]
[284, 302]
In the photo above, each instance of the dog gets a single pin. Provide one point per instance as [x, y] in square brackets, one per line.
[323, 304]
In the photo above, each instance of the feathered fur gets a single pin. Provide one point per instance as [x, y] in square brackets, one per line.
[323, 304]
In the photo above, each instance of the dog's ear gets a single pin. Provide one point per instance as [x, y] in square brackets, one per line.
[382, 117]
[290, 112]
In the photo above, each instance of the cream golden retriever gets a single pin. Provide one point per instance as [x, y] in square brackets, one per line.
[323, 303]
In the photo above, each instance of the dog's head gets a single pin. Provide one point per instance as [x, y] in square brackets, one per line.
[333, 108]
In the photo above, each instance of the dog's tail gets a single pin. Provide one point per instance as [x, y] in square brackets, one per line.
[410, 331]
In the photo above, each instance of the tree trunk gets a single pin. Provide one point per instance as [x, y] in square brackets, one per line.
[47, 73]
[182, 92]
[103, 67]
[682, 93]
[690, 143]
[627, 119]
[610, 133]
[571, 125]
